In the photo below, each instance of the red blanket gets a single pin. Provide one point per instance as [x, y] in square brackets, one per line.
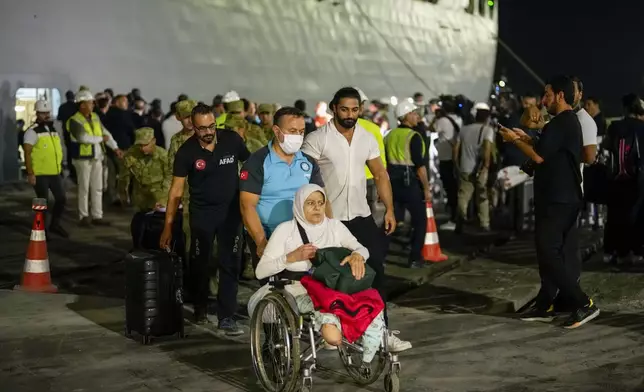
[355, 311]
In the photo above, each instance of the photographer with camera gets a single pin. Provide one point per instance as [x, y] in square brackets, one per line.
[556, 159]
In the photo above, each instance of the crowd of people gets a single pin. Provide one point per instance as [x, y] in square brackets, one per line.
[272, 179]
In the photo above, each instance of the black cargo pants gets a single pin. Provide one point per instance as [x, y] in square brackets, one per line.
[204, 226]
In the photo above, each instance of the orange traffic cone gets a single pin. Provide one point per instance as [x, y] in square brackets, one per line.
[432, 249]
[36, 276]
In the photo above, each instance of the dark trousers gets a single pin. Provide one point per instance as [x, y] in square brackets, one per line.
[620, 234]
[557, 243]
[450, 184]
[411, 198]
[204, 226]
[54, 183]
[372, 238]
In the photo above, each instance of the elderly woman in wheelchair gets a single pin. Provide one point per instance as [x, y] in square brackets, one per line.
[295, 308]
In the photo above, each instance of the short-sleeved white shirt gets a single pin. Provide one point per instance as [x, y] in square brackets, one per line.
[471, 144]
[446, 136]
[342, 167]
[588, 127]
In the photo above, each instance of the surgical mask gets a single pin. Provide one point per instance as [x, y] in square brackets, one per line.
[291, 143]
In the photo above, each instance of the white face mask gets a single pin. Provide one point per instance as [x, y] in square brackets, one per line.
[291, 143]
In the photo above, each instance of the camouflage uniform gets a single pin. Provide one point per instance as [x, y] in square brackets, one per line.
[149, 173]
[240, 125]
[267, 129]
[251, 131]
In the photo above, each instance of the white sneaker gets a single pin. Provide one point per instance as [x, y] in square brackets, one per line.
[329, 347]
[395, 344]
[449, 226]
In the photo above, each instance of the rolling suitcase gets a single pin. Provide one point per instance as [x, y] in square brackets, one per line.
[153, 294]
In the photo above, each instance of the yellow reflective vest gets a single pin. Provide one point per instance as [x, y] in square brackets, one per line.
[375, 131]
[397, 146]
[47, 153]
[92, 128]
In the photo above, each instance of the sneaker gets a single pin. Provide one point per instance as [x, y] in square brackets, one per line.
[84, 222]
[58, 229]
[449, 226]
[416, 264]
[229, 326]
[581, 316]
[100, 222]
[395, 344]
[201, 316]
[535, 314]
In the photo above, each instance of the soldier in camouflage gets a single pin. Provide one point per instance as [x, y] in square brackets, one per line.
[266, 112]
[240, 125]
[145, 166]
[235, 110]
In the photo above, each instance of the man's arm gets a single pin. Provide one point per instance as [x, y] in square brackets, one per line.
[125, 177]
[174, 199]
[30, 138]
[589, 154]
[381, 178]
[248, 204]
[418, 158]
[110, 142]
[79, 133]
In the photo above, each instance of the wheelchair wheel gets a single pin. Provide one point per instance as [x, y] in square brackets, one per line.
[352, 361]
[274, 349]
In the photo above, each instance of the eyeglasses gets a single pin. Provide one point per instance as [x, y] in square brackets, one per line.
[212, 127]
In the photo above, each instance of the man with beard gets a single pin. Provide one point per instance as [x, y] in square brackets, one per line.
[209, 159]
[44, 163]
[342, 147]
[556, 159]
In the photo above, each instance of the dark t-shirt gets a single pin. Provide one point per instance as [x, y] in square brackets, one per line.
[558, 178]
[213, 177]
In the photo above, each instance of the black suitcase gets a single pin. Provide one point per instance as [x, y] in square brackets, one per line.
[147, 231]
[153, 294]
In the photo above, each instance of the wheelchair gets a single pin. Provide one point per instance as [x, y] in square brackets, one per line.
[282, 366]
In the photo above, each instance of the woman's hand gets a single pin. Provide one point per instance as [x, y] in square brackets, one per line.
[304, 252]
[356, 261]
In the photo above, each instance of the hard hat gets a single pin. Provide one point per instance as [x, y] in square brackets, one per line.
[43, 106]
[404, 108]
[84, 96]
[363, 96]
[479, 106]
[230, 96]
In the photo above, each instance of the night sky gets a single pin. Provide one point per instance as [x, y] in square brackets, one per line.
[599, 41]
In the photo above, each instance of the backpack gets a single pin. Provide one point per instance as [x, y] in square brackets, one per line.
[625, 156]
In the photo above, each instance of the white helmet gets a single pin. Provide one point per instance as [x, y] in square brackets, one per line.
[404, 108]
[43, 106]
[479, 106]
[230, 96]
[363, 96]
[84, 96]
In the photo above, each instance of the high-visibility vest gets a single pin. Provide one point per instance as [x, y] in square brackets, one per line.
[92, 128]
[220, 121]
[375, 131]
[47, 153]
[397, 146]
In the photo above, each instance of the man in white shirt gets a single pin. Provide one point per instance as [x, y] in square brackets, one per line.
[472, 156]
[447, 126]
[341, 148]
[171, 125]
[589, 135]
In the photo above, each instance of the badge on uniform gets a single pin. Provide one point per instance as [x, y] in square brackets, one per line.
[243, 175]
[200, 164]
[305, 166]
[227, 160]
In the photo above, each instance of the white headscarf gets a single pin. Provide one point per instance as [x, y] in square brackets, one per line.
[317, 233]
